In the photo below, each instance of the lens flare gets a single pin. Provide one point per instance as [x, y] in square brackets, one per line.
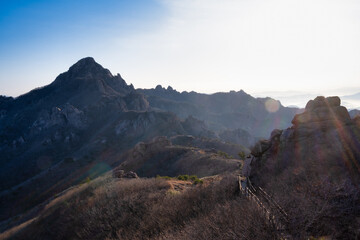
[272, 105]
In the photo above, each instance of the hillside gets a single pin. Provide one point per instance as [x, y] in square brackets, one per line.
[316, 163]
[109, 208]
[161, 157]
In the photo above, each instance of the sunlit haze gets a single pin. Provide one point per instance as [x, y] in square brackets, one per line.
[274, 48]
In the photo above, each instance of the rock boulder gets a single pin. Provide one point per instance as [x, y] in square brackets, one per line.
[322, 113]
[119, 173]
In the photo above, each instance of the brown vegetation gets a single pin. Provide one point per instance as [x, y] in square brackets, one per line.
[160, 157]
[145, 209]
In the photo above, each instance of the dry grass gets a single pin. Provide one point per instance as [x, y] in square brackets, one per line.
[13, 231]
[144, 209]
[21, 221]
[179, 186]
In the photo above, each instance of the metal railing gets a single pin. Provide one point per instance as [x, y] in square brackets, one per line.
[272, 210]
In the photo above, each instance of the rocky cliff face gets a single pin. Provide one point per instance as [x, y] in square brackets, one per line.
[323, 124]
[66, 115]
[312, 170]
[323, 113]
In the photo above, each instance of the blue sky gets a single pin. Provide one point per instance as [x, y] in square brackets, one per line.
[265, 47]
[41, 38]
[28, 24]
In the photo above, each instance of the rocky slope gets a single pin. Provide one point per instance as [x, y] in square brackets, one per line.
[316, 163]
[324, 132]
[55, 119]
[145, 208]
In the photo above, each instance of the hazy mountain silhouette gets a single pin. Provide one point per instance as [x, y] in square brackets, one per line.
[351, 101]
[353, 113]
[223, 111]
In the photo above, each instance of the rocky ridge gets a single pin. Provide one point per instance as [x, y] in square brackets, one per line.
[160, 157]
[312, 171]
[322, 116]
[223, 111]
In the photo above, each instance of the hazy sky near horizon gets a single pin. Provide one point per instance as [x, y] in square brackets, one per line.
[260, 46]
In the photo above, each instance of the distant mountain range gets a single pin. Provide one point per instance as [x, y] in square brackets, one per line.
[352, 101]
[80, 125]
[89, 121]
[223, 111]
[299, 99]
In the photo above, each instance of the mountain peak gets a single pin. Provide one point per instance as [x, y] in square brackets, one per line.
[88, 68]
[86, 59]
[86, 82]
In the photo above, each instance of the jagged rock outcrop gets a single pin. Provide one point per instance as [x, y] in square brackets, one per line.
[322, 116]
[323, 113]
[263, 145]
[323, 135]
[312, 170]
[260, 147]
[63, 116]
